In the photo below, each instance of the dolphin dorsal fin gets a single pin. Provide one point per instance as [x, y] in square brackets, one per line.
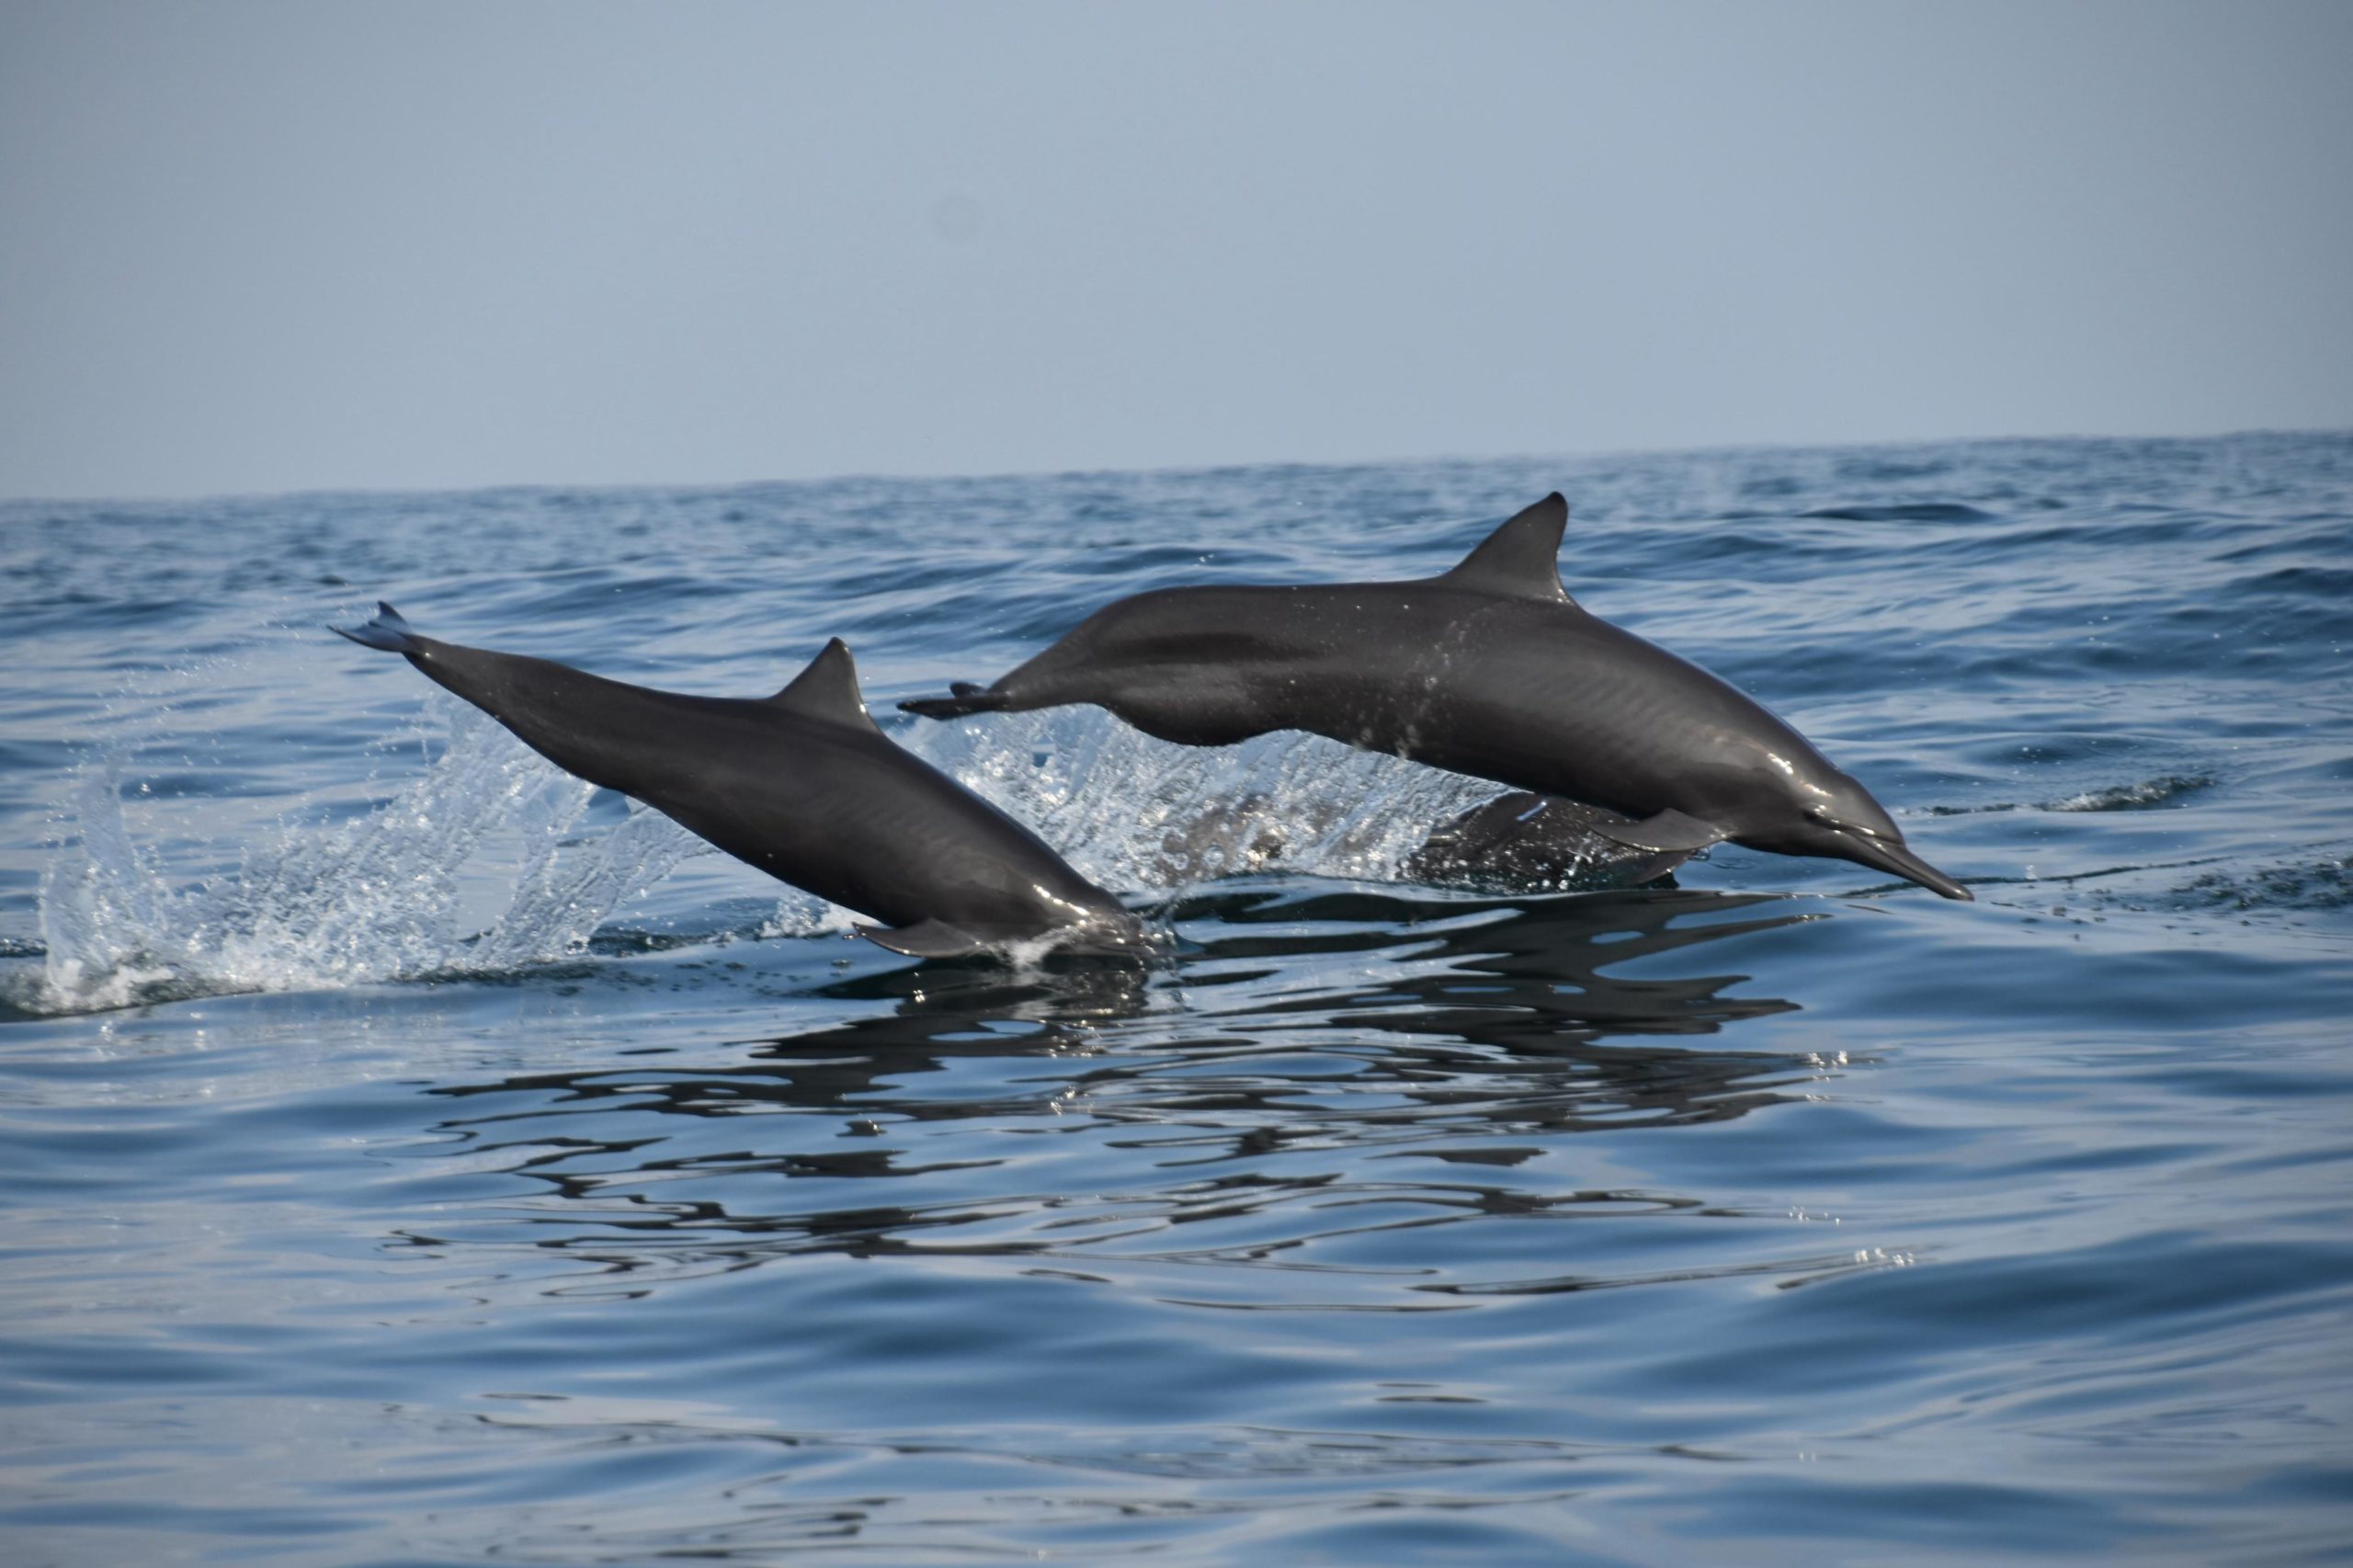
[827, 689]
[1522, 558]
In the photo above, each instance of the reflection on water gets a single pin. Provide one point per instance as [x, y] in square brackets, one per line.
[1319, 1029]
[1523, 974]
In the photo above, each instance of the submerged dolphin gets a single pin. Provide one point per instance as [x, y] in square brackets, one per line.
[1521, 838]
[1517, 840]
[1490, 669]
[801, 785]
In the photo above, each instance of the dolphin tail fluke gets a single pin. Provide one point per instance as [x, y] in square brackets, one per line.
[387, 631]
[1670, 832]
[925, 940]
[966, 699]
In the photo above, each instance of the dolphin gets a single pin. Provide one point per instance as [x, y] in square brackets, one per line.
[1517, 840]
[1520, 838]
[1489, 669]
[801, 785]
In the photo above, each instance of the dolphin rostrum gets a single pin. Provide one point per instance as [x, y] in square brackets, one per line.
[801, 785]
[1489, 669]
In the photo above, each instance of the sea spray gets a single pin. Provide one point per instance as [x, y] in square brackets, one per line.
[374, 899]
[1139, 814]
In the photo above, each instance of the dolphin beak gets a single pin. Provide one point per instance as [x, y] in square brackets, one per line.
[1888, 854]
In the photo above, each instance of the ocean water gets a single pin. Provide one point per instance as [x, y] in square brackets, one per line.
[414, 1156]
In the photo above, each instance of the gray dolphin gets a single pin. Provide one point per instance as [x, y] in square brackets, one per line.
[1490, 669]
[801, 785]
[1521, 838]
[1514, 840]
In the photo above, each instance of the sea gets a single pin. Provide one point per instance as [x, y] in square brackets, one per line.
[414, 1156]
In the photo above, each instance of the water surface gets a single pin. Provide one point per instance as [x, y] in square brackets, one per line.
[414, 1156]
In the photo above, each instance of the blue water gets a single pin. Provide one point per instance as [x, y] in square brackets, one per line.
[414, 1156]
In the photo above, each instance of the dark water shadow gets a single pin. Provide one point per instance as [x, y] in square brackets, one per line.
[1516, 972]
[1075, 1114]
[937, 1014]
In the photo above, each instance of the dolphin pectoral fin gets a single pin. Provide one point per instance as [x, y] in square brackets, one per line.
[925, 940]
[1670, 832]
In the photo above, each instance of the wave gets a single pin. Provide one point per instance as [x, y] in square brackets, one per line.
[1904, 512]
[2147, 794]
[2320, 884]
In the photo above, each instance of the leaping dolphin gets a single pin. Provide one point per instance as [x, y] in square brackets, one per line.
[1489, 669]
[801, 785]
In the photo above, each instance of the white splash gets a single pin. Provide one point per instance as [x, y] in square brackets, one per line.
[1135, 813]
[378, 898]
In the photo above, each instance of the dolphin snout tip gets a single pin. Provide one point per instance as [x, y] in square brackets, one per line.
[1893, 856]
[1911, 867]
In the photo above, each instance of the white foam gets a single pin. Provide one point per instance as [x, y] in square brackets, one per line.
[379, 898]
[1134, 814]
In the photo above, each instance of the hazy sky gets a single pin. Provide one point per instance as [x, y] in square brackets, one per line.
[254, 246]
